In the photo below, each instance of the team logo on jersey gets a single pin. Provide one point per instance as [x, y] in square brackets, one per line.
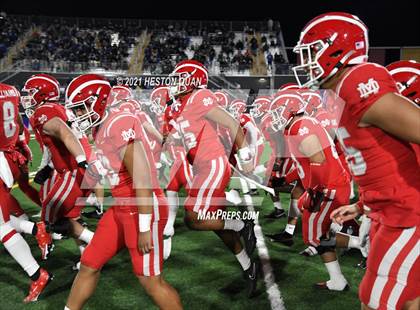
[128, 135]
[207, 101]
[42, 119]
[325, 122]
[369, 88]
[303, 131]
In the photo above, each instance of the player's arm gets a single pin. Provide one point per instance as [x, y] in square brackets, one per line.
[22, 144]
[150, 129]
[57, 128]
[135, 160]
[311, 147]
[395, 115]
[223, 118]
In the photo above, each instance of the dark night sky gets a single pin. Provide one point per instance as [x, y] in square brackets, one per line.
[390, 22]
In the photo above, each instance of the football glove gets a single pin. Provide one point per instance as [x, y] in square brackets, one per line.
[43, 175]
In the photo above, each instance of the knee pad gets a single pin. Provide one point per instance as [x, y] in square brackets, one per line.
[62, 226]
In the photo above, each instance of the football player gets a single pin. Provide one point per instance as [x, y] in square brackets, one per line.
[11, 166]
[375, 131]
[137, 219]
[325, 181]
[194, 115]
[180, 173]
[49, 119]
[407, 75]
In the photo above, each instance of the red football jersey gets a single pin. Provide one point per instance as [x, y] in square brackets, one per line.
[384, 167]
[154, 145]
[335, 175]
[9, 114]
[118, 130]
[198, 134]
[61, 158]
[329, 122]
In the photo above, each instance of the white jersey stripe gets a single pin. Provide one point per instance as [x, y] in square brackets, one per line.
[385, 266]
[221, 170]
[156, 249]
[402, 276]
[323, 213]
[57, 194]
[204, 186]
[66, 193]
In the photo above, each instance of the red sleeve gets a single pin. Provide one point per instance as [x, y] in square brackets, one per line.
[203, 100]
[124, 130]
[363, 86]
[47, 112]
[301, 129]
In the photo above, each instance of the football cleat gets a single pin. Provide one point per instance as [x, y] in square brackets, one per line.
[276, 214]
[362, 264]
[309, 251]
[38, 286]
[44, 240]
[282, 237]
[248, 235]
[251, 275]
[328, 286]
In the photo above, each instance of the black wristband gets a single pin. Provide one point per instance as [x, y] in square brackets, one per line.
[83, 164]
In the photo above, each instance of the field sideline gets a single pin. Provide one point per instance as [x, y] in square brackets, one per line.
[205, 274]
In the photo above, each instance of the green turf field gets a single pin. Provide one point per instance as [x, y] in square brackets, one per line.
[205, 274]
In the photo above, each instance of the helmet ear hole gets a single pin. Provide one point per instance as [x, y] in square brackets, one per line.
[336, 54]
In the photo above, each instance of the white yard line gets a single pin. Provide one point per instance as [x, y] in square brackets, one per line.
[273, 291]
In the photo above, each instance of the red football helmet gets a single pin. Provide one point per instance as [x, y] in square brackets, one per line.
[287, 86]
[158, 99]
[237, 108]
[118, 93]
[40, 88]
[130, 105]
[223, 98]
[286, 105]
[327, 44]
[190, 75]
[260, 106]
[407, 75]
[87, 95]
[313, 100]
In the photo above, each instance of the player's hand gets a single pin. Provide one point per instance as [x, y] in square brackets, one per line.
[344, 213]
[26, 151]
[145, 242]
[95, 169]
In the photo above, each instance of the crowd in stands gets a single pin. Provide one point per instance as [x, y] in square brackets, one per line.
[10, 30]
[62, 45]
[69, 47]
[217, 48]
